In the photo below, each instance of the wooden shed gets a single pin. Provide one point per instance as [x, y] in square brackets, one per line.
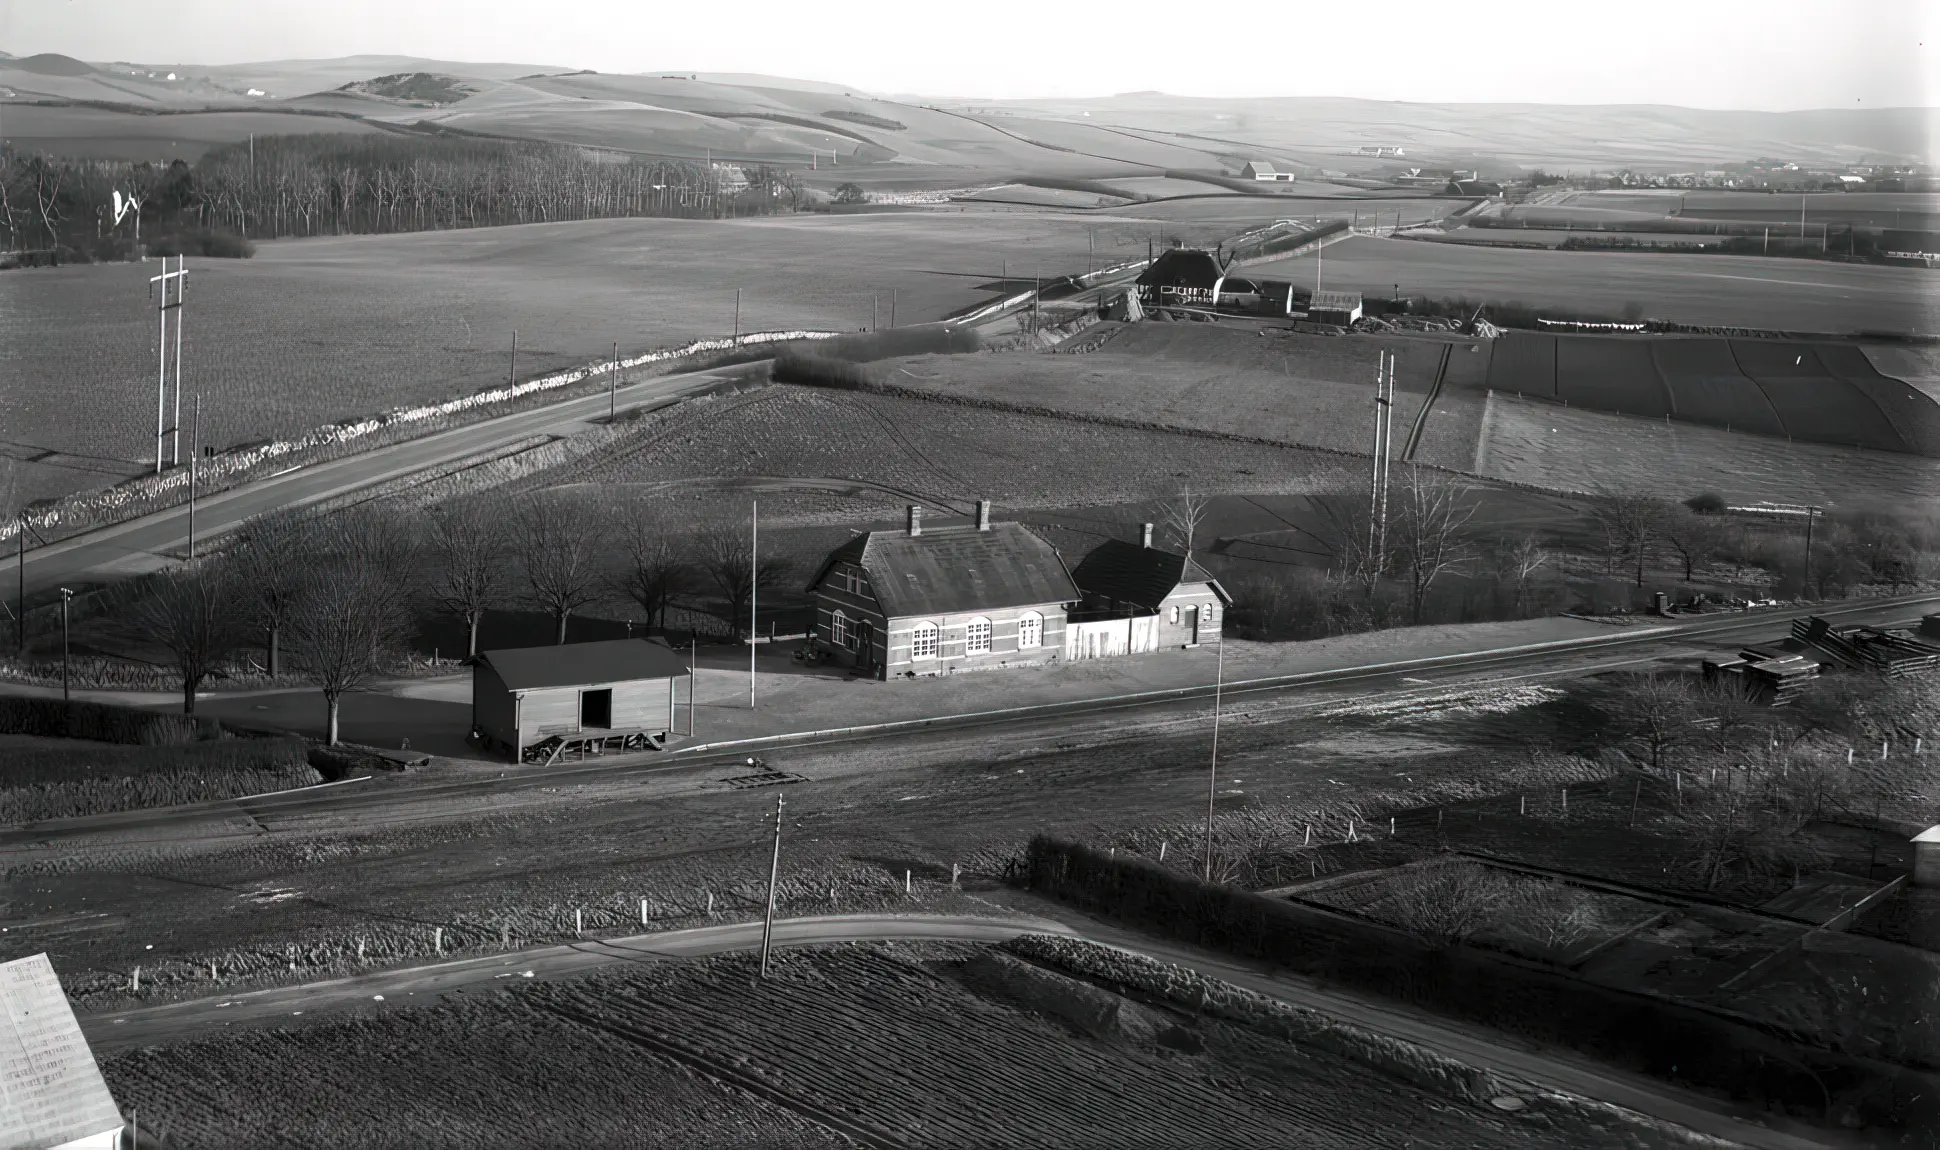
[536, 703]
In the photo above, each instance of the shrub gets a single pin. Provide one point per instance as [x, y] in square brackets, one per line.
[102, 722]
[851, 194]
[1706, 503]
[815, 371]
[920, 339]
[218, 245]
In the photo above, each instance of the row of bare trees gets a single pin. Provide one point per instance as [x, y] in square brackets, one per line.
[332, 184]
[333, 598]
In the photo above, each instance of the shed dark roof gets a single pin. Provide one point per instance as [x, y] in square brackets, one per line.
[955, 568]
[583, 664]
[1183, 267]
[1144, 576]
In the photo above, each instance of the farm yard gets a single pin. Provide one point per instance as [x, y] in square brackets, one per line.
[1728, 291]
[924, 1045]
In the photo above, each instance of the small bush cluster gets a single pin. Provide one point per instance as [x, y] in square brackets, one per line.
[102, 723]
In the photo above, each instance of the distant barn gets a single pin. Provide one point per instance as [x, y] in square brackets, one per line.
[1265, 173]
[536, 703]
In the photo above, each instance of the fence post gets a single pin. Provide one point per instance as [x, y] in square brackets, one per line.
[956, 873]
[438, 939]
[360, 950]
[1162, 846]
[908, 889]
[135, 983]
[710, 904]
[1390, 826]
[579, 921]
[643, 912]
[1566, 800]
[1522, 804]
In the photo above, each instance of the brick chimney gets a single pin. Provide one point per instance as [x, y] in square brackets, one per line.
[983, 514]
[915, 521]
[1145, 535]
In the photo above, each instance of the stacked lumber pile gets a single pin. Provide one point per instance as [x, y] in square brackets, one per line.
[1768, 677]
[1892, 653]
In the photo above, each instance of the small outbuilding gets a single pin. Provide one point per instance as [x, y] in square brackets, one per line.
[1336, 307]
[535, 703]
[1138, 598]
[1265, 173]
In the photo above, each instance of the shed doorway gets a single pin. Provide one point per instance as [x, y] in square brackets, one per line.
[1192, 625]
[596, 709]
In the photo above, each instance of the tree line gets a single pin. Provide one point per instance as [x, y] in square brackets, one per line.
[337, 184]
[334, 598]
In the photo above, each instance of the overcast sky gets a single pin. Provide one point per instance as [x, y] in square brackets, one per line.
[1771, 54]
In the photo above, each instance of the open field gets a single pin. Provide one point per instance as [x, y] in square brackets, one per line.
[946, 453]
[1734, 291]
[1234, 380]
[101, 133]
[1571, 449]
[1912, 211]
[314, 331]
[898, 1043]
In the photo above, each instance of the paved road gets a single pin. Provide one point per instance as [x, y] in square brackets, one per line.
[1391, 681]
[142, 544]
[391, 989]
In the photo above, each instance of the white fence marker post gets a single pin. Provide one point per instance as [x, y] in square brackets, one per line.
[1390, 826]
[956, 872]
[908, 889]
[643, 912]
[438, 939]
[579, 921]
[1162, 845]
[710, 904]
[135, 984]
[360, 950]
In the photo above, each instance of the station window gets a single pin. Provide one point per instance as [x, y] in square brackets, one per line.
[839, 629]
[1030, 630]
[976, 636]
[922, 641]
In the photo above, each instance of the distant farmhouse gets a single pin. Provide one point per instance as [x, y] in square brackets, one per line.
[1180, 277]
[1265, 173]
[933, 600]
[1381, 150]
[1473, 187]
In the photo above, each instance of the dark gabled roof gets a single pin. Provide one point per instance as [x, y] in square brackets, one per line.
[1143, 576]
[956, 568]
[1183, 267]
[583, 664]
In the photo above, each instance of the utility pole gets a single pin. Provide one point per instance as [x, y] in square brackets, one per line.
[512, 379]
[693, 679]
[179, 279]
[1377, 510]
[195, 448]
[20, 575]
[754, 587]
[737, 317]
[65, 596]
[892, 308]
[1811, 513]
[875, 310]
[1212, 775]
[613, 386]
[774, 873]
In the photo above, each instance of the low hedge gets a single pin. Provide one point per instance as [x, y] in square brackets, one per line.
[65, 782]
[103, 722]
[1713, 1049]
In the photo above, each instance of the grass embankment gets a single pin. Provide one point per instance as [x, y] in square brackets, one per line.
[155, 759]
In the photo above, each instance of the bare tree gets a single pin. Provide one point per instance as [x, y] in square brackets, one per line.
[466, 543]
[1343, 512]
[1431, 533]
[1695, 537]
[1182, 516]
[1631, 523]
[726, 556]
[196, 614]
[269, 563]
[1653, 712]
[352, 606]
[654, 568]
[558, 545]
[1520, 560]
